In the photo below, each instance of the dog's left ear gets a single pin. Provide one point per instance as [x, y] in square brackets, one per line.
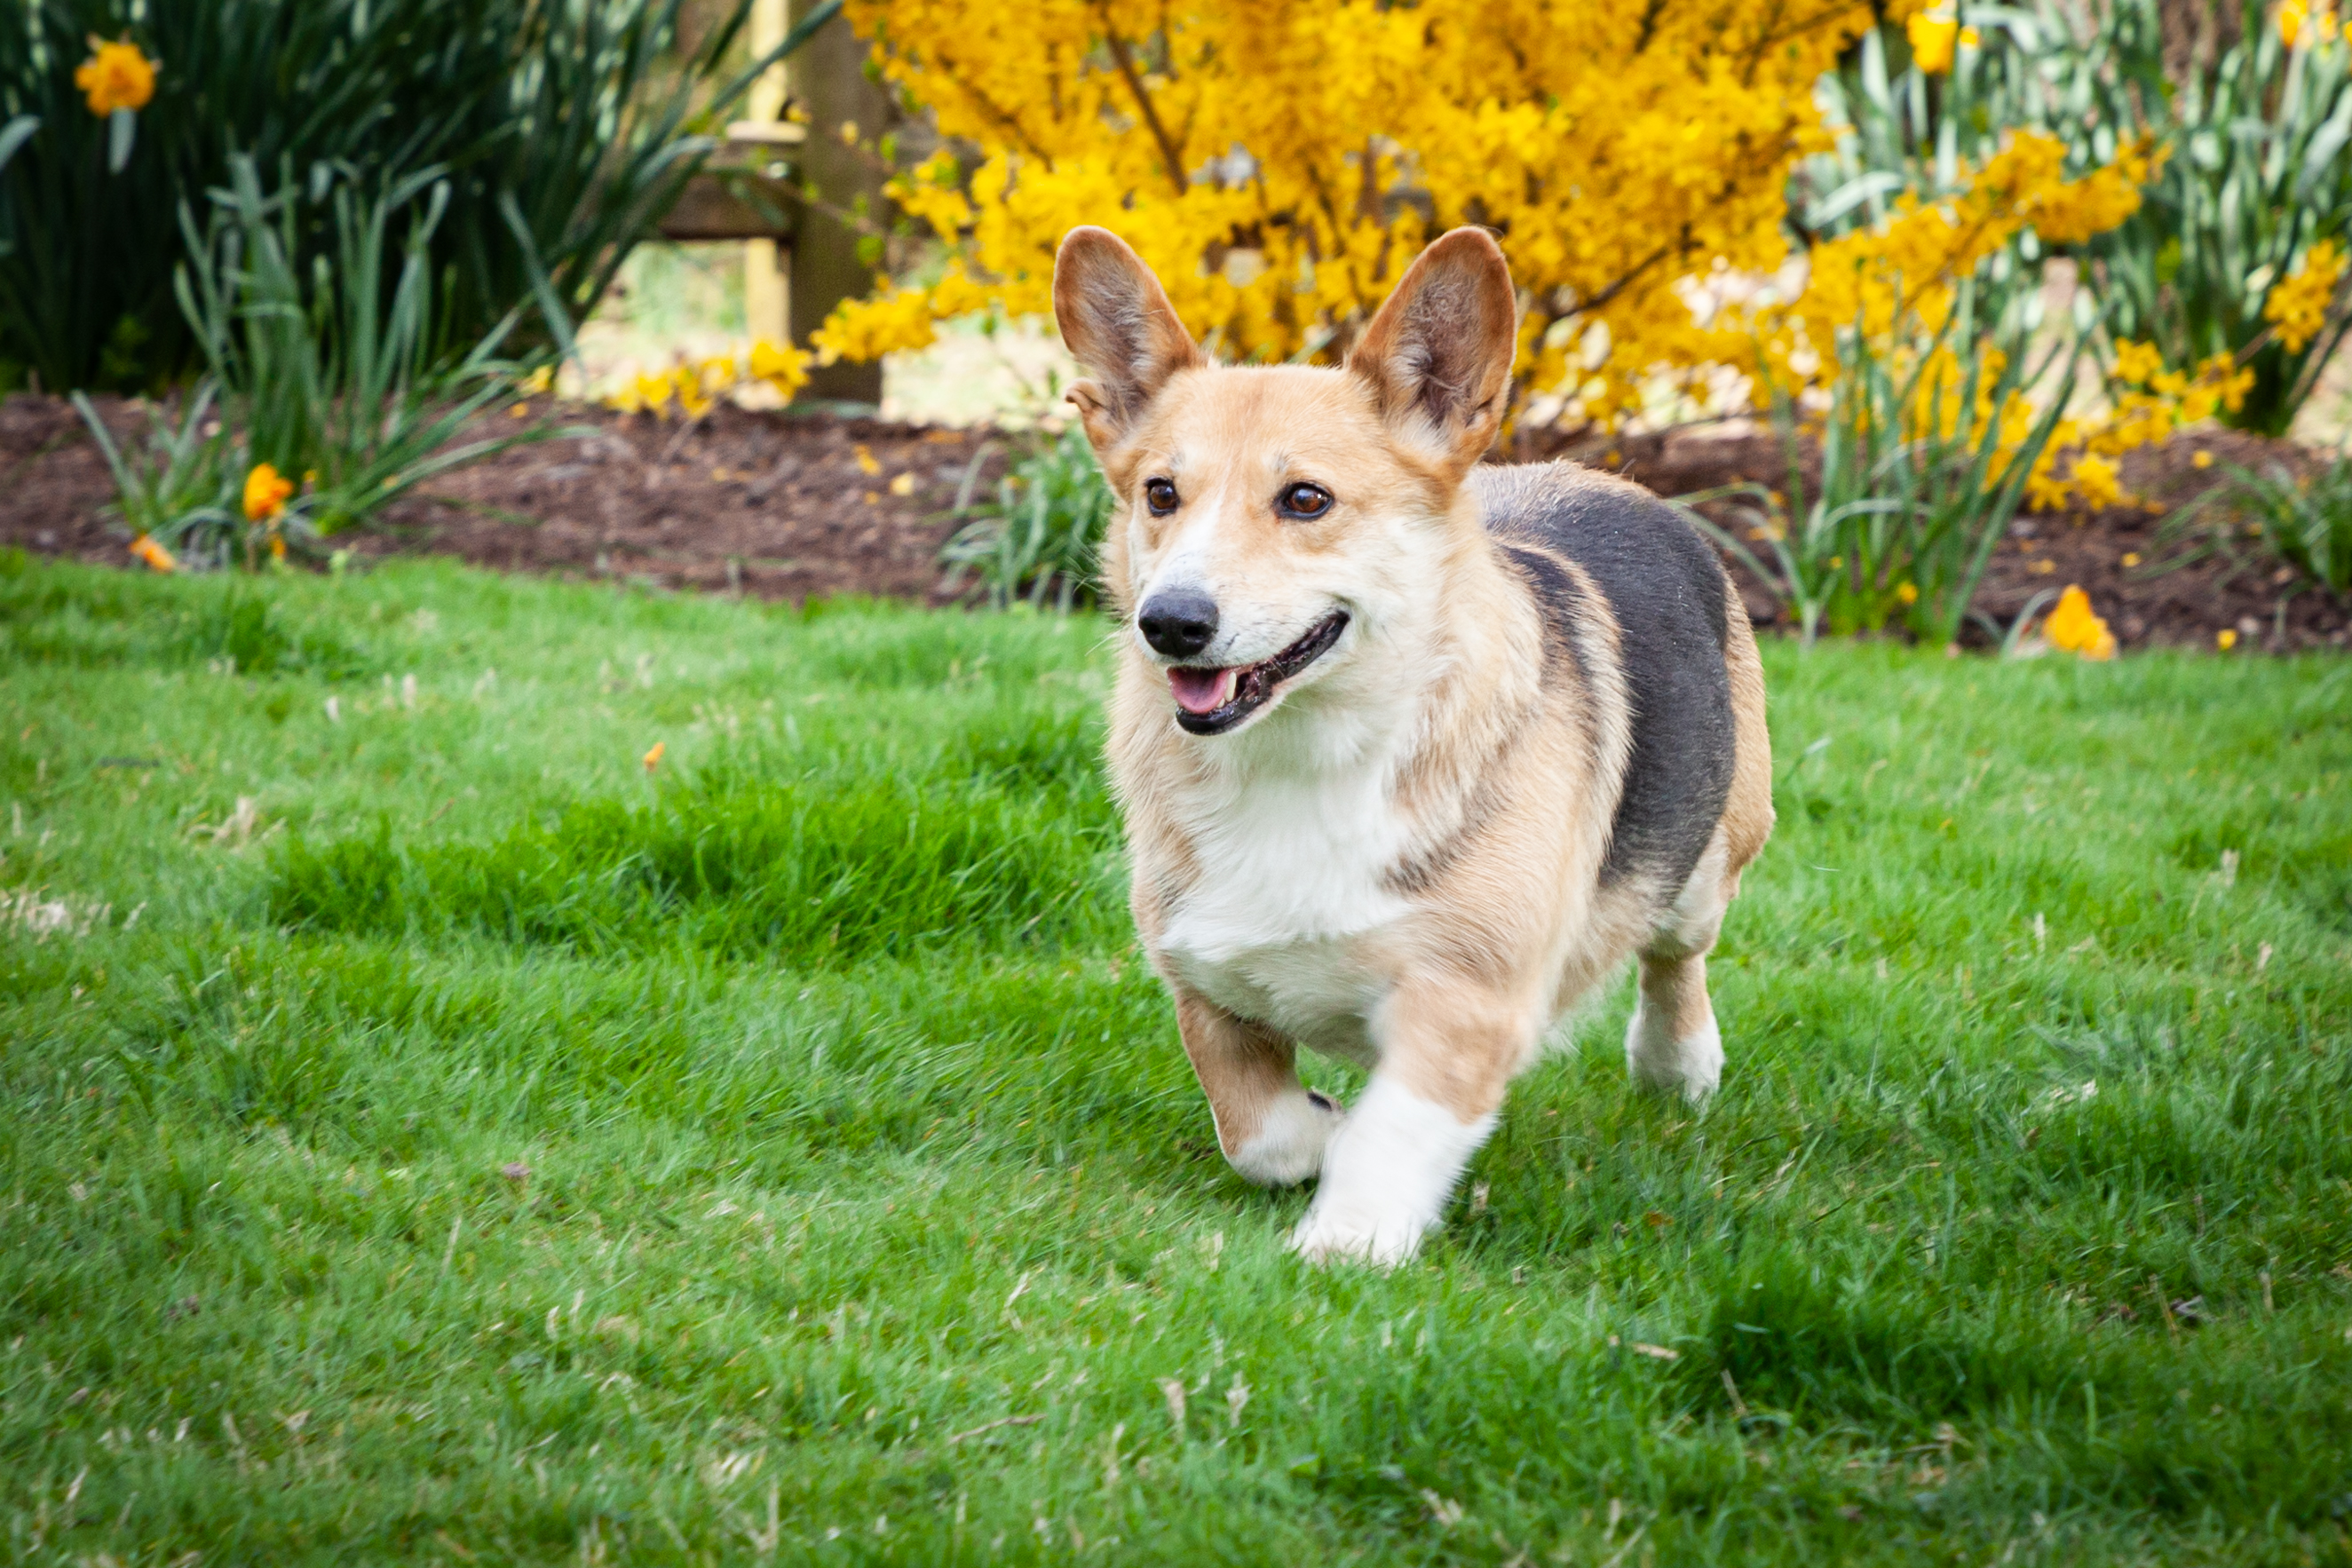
[1439, 353]
[1118, 322]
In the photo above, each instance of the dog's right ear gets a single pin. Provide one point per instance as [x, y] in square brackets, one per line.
[1116, 320]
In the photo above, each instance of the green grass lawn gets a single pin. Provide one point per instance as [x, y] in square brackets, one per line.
[481, 1149]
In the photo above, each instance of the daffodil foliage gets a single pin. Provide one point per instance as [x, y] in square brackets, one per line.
[1278, 164]
[1889, 291]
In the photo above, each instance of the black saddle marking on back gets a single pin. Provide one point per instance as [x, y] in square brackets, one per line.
[1670, 598]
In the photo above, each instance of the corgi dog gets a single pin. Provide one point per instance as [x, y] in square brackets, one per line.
[1412, 752]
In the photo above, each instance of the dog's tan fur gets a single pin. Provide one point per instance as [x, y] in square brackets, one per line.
[1452, 769]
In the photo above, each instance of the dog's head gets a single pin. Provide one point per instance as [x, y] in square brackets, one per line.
[1278, 521]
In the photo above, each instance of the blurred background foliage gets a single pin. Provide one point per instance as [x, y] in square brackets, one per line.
[1968, 256]
[2248, 174]
[563, 128]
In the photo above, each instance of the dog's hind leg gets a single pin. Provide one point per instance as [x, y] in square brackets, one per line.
[1271, 1127]
[1672, 1042]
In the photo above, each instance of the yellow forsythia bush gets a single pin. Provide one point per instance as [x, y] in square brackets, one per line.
[1278, 163]
[1895, 285]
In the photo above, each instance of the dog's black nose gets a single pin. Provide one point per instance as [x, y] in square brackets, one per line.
[1179, 623]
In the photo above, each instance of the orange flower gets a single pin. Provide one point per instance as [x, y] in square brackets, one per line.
[653, 757]
[265, 493]
[116, 76]
[157, 558]
[2072, 626]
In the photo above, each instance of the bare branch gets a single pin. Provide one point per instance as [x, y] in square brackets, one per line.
[1124, 59]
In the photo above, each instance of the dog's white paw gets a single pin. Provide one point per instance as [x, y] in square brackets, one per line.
[1691, 1067]
[1288, 1148]
[1386, 1177]
[1337, 1233]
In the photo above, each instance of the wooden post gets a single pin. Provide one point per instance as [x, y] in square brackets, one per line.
[830, 86]
[766, 296]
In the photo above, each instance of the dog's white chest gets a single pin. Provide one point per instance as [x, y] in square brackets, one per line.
[1283, 921]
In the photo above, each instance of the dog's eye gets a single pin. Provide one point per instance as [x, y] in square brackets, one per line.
[1304, 500]
[1160, 495]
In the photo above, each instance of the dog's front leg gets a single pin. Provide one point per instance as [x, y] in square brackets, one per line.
[1446, 1055]
[1272, 1129]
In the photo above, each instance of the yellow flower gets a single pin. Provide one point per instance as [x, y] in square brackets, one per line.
[769, 361]
[158, 559]
[2203, 460]
[2096, 480]
[2226, 639]
[2131, 558]
[653, 757]
[783, 368]
[2138, 364]
[1907, 592]
[2073, 629]
[2294, 16]
[1933, 34]
[866, 463]
[266, 490]
[2298, 302]
[693, 401]
[2045, 491]
[116, 76]
[642, 393]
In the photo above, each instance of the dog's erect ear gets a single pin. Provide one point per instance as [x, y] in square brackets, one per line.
[1439, 353]
[1116, 320]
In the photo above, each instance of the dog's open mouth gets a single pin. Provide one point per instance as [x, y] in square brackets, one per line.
[1209, 701]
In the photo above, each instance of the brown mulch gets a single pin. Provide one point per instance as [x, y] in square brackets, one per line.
[2146, 603]
[796, 506]
[782, 506]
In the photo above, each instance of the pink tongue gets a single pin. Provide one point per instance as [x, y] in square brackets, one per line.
[1202, 690]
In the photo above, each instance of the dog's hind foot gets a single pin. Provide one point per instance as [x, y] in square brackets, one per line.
[1691, 1065]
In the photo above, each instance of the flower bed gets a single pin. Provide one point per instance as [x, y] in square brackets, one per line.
[780, 508]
